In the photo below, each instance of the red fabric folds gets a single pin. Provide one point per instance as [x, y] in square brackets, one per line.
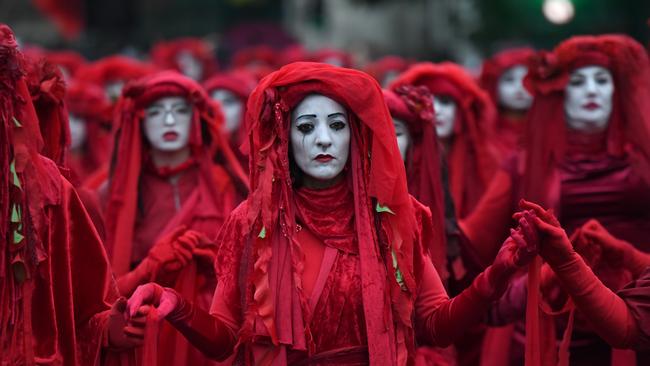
[471, 160]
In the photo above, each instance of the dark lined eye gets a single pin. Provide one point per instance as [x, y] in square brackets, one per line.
[305, 128]
[183, 110]
[337, 125]
[153, 112]
[577, 80]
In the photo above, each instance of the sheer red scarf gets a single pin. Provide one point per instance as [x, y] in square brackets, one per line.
[206, 142]
[381, 200]
[475, 117]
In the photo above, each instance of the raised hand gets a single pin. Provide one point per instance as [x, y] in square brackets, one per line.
[165, 300]
[554, 243]
[118, 335]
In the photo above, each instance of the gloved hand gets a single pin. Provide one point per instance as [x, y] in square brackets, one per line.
[515, 253]
[118, 338]
[202, 248]
[617, 252]
[164, 299]
[555, 246]
[173, 251]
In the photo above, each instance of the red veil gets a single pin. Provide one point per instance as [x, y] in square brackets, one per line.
[385, 223]
[164, 54]
[423, 165]
[471, 160]
[497, 64]
[629, 127]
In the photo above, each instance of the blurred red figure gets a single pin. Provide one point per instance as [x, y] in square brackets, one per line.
[386, 69]
[502, 77]
[333, 57]
[56, 285]
[173, 182]
[231, 91]
[259, 61]
[191, 57]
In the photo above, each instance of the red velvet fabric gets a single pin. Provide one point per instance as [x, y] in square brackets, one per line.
[144, 204]
[55, 281]
[165, 54]
[471, 159]
[413, 105]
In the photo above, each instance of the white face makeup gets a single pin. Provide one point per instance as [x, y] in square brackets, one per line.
[77, 132]
[511, 91]
[231, 106]
[320, 137]
[403, 137]
[167, 124]
[588, 98]
[445, 108]
[190, 66]
[114, 89]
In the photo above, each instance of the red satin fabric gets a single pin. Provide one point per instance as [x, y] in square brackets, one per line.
[471, 159]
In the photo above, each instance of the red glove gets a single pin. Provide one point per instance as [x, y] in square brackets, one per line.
[604, 310]
[616, 251]
[118, 338]
[174, 250]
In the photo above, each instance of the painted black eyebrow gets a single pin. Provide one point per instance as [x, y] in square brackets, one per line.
[336, 115]
[306, 116]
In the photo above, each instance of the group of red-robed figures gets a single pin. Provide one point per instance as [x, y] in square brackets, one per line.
[419, 224]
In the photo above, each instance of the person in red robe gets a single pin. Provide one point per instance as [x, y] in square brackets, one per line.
[325, 261]
[502, 77]
[56, 285]
[173, 182]
[231, 91]
[191, 57]
[587, 157]
[464, 119]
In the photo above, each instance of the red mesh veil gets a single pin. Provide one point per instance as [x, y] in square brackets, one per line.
[470, 152]
[629, 127]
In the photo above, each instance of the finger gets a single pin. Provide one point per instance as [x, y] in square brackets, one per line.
[119, 306]
[134, 303]
[138, 321]
[182, 254]
[135, 333]
[188, 242]
[544, 227]
[166, 306]
[205, 253]
[178, 231]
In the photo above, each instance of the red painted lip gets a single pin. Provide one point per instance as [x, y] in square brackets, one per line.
[591, 106]
[170, 136]
[324, 158]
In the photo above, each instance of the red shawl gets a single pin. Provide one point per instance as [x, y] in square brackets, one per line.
[382, 207]
[413, 105]
[471, 160]
[165, 54]
[55, 281]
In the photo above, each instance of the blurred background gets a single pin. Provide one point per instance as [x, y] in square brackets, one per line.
[461, 30]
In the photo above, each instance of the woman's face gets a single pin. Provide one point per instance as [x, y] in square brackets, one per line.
[231, 106]
[190, 66]
[77, 132]
[167, 123]
[445, 108]
[403, 137]
[588, 98]
[511, 91]
[320, 138]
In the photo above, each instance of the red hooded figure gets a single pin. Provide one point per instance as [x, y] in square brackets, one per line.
[501, 77]
[587, 156]
[69, 61]
[56, 285]
[470, 158]
[386, 69]
[150, 205]
[331, 272]
[333, 56]
[231, 91]
[259, 60]
[191, 57]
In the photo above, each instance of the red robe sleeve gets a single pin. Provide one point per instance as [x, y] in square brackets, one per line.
[637, 298]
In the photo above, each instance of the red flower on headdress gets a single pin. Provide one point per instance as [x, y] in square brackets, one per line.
[545, 74]
[418, 99]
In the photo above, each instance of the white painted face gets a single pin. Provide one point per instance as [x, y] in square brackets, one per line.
[231, 106]
[511, 91]
[77, 132]
[190, 66]
[167, 123]
[445, 108]
[320, 137]
[403, 137]
[588, 98]
[114, 89]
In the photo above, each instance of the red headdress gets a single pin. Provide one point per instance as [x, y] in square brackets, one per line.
[88, 102]
[70, 61]
[382, 69]
[413, 106]
[47, 88]
[382, 205]
[206, 141]
[629, 127]
[496, 65]
[259, 60]
[165, 54]
[241, 83]
[471, 160]
[114, 69]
